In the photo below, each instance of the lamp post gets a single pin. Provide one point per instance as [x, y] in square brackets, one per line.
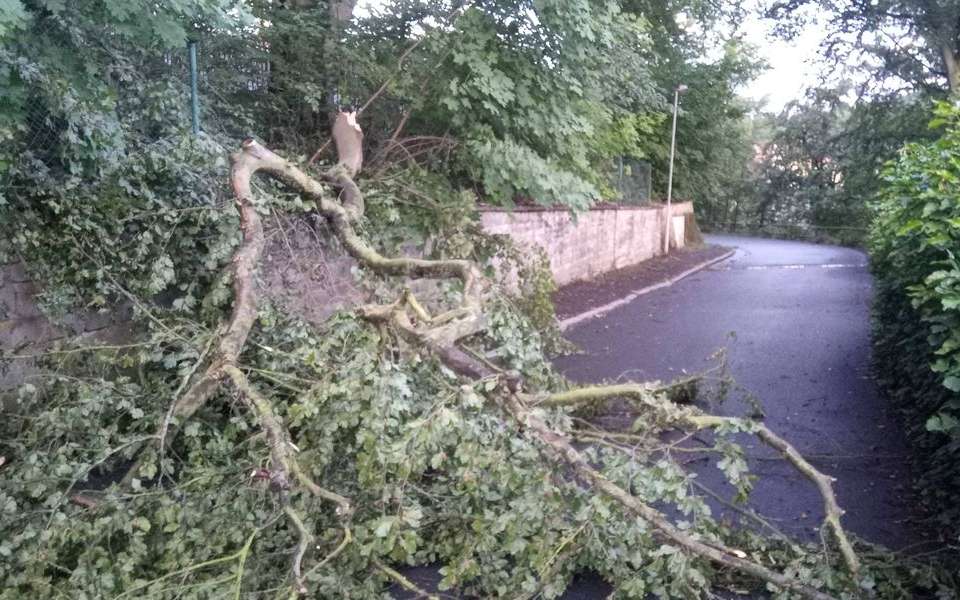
[673, 146]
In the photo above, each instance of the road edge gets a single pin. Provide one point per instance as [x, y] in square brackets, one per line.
[605, 308]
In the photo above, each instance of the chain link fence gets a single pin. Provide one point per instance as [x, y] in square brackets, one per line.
[632, 179]
[234, 89]
[231, 79]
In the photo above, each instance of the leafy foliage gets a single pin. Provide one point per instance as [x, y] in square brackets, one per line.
[910, 44]
[913, 243]
[109, 202]
[800, 175]
[695, 43]
[819, 162]
[537, 92]
[510, 170]
[884, 64]
[96, 150]
[434, 473]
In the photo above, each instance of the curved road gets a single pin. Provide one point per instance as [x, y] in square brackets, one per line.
[795, 321]
[799, 315]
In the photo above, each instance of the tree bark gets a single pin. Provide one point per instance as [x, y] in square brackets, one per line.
[951, 66]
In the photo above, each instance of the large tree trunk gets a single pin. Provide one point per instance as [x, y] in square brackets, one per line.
[951, 66]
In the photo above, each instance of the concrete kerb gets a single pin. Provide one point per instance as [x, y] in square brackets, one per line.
[600, 310]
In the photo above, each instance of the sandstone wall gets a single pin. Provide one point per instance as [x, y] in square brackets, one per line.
[594, 242]
[25, 331]
[303, 273]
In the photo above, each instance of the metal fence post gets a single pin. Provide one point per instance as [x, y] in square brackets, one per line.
[194, 96]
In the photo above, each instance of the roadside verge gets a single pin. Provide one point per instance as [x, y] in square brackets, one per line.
[583, 300]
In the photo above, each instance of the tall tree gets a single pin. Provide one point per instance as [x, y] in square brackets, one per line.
[712, 142]
[799, 173]
[915, 41]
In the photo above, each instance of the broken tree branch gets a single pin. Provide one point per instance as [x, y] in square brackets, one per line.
[230, 344]
[559, 447]
[285, 472]
[441, 340]
[305, 540]
[343, 215]
[824, 483]
[689, 417]
[450, 21]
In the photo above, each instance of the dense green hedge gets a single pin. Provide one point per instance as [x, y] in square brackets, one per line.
[915, 243]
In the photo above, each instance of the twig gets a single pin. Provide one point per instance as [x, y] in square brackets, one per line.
[73, 351]
[319, 151]
[403, 121]
[750, 514]
[285, 468]
[162, 435]
[305, 540]
[187, 570]
[286, 241]
[347, 538]
[403, 581]
[241, 562]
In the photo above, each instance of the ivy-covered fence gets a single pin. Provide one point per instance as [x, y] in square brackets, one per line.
[915, 247]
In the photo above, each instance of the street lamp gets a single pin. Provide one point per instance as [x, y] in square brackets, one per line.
[673, 146]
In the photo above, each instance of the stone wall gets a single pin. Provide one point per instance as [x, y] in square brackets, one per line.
[594, 242]
[304, 273]
[25, 331]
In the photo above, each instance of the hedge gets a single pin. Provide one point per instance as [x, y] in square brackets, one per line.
[914, 244]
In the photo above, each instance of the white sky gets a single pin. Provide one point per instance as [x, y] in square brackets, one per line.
[793, 66]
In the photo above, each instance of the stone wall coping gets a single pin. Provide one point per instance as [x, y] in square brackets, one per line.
[487, 208]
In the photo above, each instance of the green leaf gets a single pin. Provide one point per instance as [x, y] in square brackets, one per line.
[142, 523]
[942, 423]
[13, 15]
[952, 383]
[384, 525]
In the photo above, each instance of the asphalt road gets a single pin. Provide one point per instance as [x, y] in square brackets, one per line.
[795, 321]
[799, 315]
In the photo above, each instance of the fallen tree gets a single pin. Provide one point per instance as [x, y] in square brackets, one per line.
[440, 334]
[488, 454]
[262, 454]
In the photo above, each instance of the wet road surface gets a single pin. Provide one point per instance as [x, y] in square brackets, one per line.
[794, 318]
